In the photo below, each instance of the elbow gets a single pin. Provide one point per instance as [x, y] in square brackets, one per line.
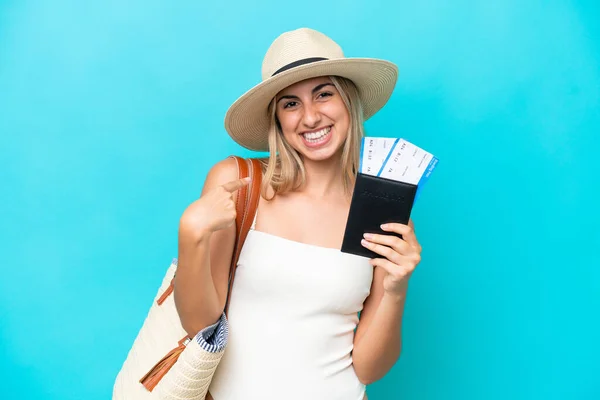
[191, 329]
[193, 322]
[369, 377]
[366, 380]
[370, 372]
[194, 325]
[190, 325]
[194, 319]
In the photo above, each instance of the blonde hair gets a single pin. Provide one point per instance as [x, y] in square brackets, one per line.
[284, 170]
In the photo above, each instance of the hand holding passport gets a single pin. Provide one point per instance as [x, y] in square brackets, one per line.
[391, 176]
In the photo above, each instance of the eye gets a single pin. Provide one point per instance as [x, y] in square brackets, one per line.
[289, 104]
[323, 95]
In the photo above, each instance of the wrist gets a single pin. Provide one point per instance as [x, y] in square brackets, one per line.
[193, 234]
[202, 236]
[397, 296]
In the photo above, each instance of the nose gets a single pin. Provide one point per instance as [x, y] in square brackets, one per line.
[311, 117]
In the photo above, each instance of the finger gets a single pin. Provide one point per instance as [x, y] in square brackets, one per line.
[394, 242]
[236, 185]
[412, 225]
[397, 270]
[407, 232]
[384, 251]
[416, 245]
[385, 264]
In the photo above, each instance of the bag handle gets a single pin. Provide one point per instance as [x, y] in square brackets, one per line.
[246, 206]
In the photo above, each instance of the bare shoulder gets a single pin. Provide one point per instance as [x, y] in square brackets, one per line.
[219, 174]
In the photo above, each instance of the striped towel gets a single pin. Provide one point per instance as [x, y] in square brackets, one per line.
[213, 338]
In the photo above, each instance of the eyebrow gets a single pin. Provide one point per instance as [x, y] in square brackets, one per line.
[315, 90]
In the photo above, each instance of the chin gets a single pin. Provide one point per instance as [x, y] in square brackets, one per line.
[323, 154]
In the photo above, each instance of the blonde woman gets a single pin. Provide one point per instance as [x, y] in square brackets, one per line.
[294, 326]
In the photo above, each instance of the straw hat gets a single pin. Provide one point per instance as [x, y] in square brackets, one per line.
[297, 55]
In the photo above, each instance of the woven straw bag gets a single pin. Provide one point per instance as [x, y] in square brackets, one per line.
[164, 363]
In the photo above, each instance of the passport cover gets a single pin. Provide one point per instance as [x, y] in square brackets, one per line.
[376, 201]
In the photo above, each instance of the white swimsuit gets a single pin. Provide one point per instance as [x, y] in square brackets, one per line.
[292, 318]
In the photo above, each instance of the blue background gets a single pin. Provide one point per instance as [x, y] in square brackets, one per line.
[111, 113]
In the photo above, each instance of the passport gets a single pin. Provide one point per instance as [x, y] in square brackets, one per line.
[391, 173]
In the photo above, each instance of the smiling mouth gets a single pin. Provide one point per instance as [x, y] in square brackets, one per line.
[318, 136]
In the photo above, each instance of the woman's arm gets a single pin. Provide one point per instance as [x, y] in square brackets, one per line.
[378, 339]
[206, 240]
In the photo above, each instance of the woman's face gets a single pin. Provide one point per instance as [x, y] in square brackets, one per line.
[313, 118]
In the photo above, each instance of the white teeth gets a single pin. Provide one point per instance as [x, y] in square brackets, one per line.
[316, 136]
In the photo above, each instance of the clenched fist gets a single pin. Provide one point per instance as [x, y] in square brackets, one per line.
[213, 211]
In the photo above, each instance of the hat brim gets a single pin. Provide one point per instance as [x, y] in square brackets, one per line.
[247, 121]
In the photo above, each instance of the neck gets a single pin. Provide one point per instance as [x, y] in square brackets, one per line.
[323, 178]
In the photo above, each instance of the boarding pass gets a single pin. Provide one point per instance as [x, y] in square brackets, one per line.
[396, 159]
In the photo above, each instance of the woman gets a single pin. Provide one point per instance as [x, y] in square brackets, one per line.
[294, 326]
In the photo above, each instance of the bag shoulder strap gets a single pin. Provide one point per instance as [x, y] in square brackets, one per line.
[246, 205]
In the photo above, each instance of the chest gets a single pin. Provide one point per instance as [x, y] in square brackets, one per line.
[276, 273]
[310, 222]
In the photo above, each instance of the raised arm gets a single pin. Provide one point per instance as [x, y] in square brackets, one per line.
[206, 240]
